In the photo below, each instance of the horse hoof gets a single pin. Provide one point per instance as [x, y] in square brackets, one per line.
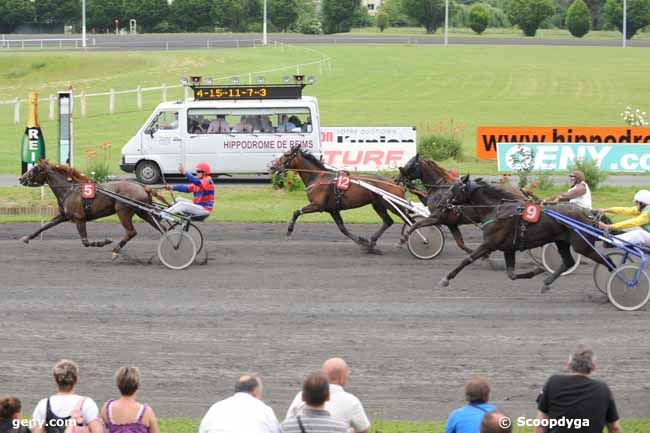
[363, 241]
[444, 282]
[25, 239]
[398, 245]
[115, 256]
[545, 288]
[375, 251]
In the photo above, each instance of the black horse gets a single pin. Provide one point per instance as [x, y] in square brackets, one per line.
[505, 230]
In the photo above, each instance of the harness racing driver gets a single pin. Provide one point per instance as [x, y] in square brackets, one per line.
[201, 186]
[640, 223]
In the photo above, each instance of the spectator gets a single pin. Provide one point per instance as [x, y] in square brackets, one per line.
[496, 422]
[576, 396]
[126, 415]
[10, 413]
[65, 402]
[313, 417]
[467, 419]
[219, 125]
[243, 126]
[285, 125]
[295, 121]
[243, 412]
[341, 405]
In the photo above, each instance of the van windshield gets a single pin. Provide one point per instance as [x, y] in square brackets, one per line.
[248, 120]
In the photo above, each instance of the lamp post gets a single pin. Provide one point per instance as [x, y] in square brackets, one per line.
[446, 22]
[624, 23]
[264, 41]
[83, 23]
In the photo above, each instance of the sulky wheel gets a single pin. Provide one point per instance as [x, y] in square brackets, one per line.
[196, 234]
[536, 255]
[552, 260]
[426, 243]
[602, 274]
[624, 293]
[176, 249]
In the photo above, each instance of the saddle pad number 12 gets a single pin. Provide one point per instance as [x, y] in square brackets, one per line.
[88, 190]
[532, 212]
[343, 181]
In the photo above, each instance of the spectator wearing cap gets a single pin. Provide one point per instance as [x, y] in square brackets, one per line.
[467, 419]
[576, 396]
[342, 405]
[495, 422]
[65, 403]
[244, 412]
[10, 416]
[313, 418]
[127, 415]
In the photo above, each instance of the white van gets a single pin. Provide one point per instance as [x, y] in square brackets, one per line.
[235, 129]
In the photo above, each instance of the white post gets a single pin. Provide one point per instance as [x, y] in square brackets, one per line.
[208, 43]
[111, 101]
[17, 111]
[139, 92]
[446, 22]
[298, 69]
[624, 23]
[82, 100]
[250, 78]
[164, 92]
[60, 43]
[167, 46]
[264, 40]
[41, 44]
[94, 42]
[52, 105]
[238, 43]
[83, 23]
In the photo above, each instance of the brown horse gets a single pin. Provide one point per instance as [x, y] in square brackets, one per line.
[65, 183]
[320, 183]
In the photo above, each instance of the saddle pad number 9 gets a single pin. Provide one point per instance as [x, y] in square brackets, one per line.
[88, 190]
[532, 212]
[343, 181]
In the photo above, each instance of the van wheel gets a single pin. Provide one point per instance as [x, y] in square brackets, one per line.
[147, 172]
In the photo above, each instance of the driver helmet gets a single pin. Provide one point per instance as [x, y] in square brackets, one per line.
[204, 167]
[642, 196]
[453, 173]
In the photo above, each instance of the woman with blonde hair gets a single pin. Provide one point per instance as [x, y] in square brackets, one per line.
[52, 413]
[127, 415]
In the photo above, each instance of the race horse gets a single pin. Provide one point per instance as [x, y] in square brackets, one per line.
[65, 182]
[321, 186]
[505, 230]
[437, 180]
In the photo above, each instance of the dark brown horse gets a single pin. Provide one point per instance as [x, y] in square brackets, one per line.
[437, 180]
[320, 183]
[65, 183]
[504, 229]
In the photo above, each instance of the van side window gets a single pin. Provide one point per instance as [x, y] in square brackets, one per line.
[248, 120]
[167, 120]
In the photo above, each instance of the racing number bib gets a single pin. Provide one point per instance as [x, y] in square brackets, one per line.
[343, 181]
[532, 212]
[88, 190]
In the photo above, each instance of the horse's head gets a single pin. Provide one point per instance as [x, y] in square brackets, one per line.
[410, 171]
[458, 193]
[287, 161]
[36, 176]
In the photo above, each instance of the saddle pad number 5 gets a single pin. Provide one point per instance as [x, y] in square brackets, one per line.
[88, 190]
[532, 212]
[343, 182]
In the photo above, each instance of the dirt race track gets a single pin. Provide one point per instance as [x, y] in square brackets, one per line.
[280, 308]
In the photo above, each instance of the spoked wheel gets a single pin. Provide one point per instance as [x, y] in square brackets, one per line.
[552, 260]
[602, 274]
[176, 249]
[196, 234]
[426, 243]
[626, 294]
[536, 255]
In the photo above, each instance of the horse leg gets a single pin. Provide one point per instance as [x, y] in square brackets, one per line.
[564, 248]
[83, 234]
[310, 208]
[481, 251]
[510, 268]
[425, 222]
[387, 222]
[126, 219]
[458, 237]
[51, 223]
[336, 216]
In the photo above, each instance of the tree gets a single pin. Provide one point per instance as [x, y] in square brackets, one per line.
[381, 20]
[529, 14]
[338, 14]
[236, 15]
[14, 13]
[578, 19]
[184, 17]
[101, 14]
[428, 13]
[147, 13]
[478, 18]
[638, 15]
[58, 12]
[283, 13]
[596, 7]
[395, 13]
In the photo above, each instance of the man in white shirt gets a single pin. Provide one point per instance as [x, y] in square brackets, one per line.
[578, 193]
[219, 125]
[342, 405]
[244, 412]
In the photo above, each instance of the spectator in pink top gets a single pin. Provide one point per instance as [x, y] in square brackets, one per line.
[127, 415]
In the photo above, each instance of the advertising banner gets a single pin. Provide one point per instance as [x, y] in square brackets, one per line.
[487, 137]
[369, 148]
[629, 158]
